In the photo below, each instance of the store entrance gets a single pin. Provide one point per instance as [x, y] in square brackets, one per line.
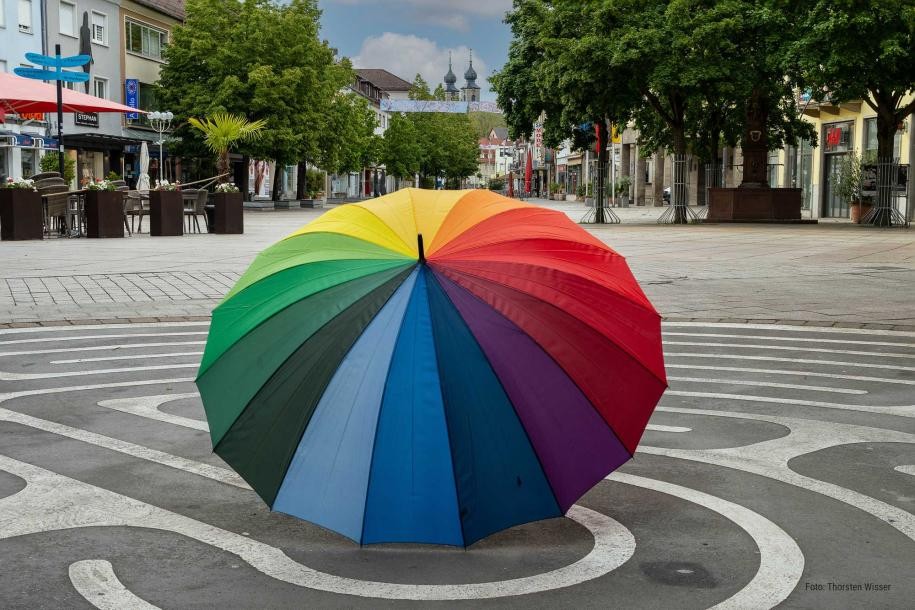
[834, 206]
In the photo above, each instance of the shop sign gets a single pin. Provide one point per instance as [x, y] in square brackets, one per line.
[87, 119]
[131, 96]
[31, 116]
[49, 143]
[24, 141]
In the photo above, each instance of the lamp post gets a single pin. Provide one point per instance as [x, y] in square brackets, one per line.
[160, 121]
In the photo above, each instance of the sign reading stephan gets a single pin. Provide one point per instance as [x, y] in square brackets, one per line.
[87, 119]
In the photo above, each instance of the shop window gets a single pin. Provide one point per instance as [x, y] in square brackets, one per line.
[870, 140]
[25, 16]
[66, 15]
[99, 28]
[837, 137]
[145, 40]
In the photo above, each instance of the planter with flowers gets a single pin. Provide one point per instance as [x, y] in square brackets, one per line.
[21, 214]
[104, 209]
[166, 209]
[227, 214]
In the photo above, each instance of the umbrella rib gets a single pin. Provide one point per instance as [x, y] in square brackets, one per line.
[663, 383]
[504, 391]
[596, 331]
[247, 406]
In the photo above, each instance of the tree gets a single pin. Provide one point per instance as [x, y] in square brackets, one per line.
[401, 152]
[862, 50]
[222, 131]
[257, 58]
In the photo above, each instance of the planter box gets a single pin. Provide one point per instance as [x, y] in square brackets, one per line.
[311, 203]
[104, 214]
[228, 216]
[21, 215]
[166, 213]
[571, 197]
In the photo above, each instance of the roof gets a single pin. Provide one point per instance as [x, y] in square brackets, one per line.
[172, 8]
[501, 132]
[382, 79]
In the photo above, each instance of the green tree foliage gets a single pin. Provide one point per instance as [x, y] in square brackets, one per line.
[484, 122]
[262, 59]
[401, 152]
[50, 163]
[347, 134]
[861, 50]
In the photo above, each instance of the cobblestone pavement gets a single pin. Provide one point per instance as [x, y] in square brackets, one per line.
[830, 274]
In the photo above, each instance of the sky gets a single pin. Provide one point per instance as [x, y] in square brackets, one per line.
[407, 37]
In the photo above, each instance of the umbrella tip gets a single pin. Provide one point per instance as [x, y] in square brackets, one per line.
[419, 246]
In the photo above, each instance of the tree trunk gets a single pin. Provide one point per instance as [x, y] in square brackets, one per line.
[275, 190]
[678, 191]
[222, 166]
[301, 180]
[886, 135]
[657, 184]
[243, 183]
[601, 165]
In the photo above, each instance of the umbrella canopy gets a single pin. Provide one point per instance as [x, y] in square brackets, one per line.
[431, 366]
[143, 178]
[19, 95]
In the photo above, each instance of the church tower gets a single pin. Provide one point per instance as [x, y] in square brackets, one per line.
[451, 92]
[470, 92]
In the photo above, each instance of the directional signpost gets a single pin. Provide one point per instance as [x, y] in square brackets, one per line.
[57, 73]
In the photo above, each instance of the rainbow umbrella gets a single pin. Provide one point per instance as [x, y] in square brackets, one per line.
[431, 366]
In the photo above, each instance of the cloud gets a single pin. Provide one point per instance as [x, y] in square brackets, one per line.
[406, 55]
[453, 14]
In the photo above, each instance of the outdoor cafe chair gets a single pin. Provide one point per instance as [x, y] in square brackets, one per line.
[195, 206]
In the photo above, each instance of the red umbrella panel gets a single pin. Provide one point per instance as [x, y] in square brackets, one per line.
[23, 95]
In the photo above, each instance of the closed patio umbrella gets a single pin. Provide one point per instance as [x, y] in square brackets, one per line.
[143, 179]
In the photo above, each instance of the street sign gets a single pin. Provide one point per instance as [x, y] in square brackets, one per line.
[49, 61]
[61, 75]
[131, 96]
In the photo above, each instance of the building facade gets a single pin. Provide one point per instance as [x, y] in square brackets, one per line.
[23, 138]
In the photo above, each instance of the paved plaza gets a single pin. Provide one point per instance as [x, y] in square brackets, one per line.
[778, 469]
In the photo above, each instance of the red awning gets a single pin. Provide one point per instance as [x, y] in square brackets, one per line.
[19, 95]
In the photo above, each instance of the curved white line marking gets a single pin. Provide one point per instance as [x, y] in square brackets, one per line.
[148, 407]
[134, 357]
[83, 337]
[738, 369]
[93, 386]
[900, 410]
[96, 581]
[5, 376]
[781, 562]
[768, 384]
[881, 366]
[51, 502]
[800, 329]
[782, 338]
[906, 469]
[787, 348]
[98, 348]
[223, 475]
[80, 327]
[660, 428]
[770, 458]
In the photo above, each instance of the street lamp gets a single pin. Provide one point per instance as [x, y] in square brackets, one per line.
[160, 121]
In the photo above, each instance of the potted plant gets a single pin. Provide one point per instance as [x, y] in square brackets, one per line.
[847, 185]
[104, 209]
[227, 212]
[166, 209]
[556, 192]
[21, 215]
[586, 194]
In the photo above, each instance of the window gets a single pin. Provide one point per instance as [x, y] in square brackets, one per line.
[146, 100]
[25, 16]
[66, 15]
[870, 139]
[101, 87]
[99, 28]
[145, 40]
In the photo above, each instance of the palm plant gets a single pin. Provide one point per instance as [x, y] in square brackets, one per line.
[222, 131]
